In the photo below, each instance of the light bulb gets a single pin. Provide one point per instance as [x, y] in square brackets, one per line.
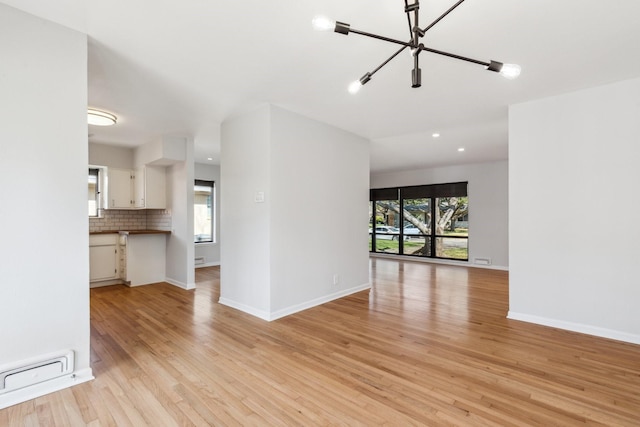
[510, 71]
[322, 23]
[355, 87]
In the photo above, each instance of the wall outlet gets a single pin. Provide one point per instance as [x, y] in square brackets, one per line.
[336, 279]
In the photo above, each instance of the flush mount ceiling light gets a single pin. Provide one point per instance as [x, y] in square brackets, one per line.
[100, 118]
[510, 71]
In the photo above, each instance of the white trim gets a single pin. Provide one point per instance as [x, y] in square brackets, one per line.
[209, 264]
[576, 327]
[318, 301]
[245, 308]
[179, 284]
[264, 315]
[437, 261]
[106, 283]
[46, 387]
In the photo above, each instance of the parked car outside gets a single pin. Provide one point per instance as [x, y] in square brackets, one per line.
[385, 232]
[411, 229]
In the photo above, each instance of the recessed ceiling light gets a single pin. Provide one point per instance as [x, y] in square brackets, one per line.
[209, 158]
[435, 135]
[100, 118]
[461, 149]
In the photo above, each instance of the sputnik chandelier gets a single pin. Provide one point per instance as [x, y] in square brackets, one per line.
[510, 71]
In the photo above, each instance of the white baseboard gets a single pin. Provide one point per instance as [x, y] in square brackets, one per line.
[181, 285]
[576, 327]
[437, 261]
[209, 264]
[37, 390]
[318, 301]
[294, 308]
[264, 315]
[106, 283]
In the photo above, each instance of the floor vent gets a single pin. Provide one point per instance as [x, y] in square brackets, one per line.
[34, 372]
[482, 261]
[199, 260]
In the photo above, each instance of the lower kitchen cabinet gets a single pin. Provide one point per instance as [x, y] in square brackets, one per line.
[145, 256]
[103, 257]
[130, 258]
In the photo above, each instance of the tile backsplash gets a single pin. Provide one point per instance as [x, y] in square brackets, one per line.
[143, 219]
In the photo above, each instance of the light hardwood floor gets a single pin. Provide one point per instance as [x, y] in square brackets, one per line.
[429, 345]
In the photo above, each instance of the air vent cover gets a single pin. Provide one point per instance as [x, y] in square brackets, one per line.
[34, 372]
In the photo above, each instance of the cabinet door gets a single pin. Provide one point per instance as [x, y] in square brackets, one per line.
[102, 262]
[119, 188]
[139, 199]
[155, 187]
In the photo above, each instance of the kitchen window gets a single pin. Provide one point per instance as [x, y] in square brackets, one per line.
[203, 211]
[94, 191]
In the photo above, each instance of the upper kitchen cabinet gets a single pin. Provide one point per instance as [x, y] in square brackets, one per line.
[143, 188]
[120, 188]
[151, 187]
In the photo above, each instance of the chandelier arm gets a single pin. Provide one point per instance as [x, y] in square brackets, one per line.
[428, 27]
[387, 61]
[416, 22]
[386, 39]
[452, 55]
[406, 5]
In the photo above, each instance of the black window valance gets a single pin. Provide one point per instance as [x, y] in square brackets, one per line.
[454, 189]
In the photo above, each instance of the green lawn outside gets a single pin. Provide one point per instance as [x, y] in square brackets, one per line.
[464, 232]
[411, 245]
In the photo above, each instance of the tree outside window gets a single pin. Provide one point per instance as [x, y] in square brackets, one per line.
[426, 221]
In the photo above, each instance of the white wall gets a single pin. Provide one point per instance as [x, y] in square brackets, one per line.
[43, 151]
[488, 203]
[111, 156]
[180, 250]
[244, 224]
[319, 195]
[280, 256]
[210, 251]
[574, 242]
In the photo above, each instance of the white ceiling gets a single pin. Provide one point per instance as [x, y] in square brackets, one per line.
[183, 67]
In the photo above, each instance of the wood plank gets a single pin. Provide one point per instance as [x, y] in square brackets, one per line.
[428, 345]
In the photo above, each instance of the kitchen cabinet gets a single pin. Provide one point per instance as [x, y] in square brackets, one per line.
[143, 188]
[120, 188]
[132, 258]
[145, 257]
[103, 257]
[151, 185]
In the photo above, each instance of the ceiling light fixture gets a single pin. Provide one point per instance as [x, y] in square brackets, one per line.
[435, 135]
[320, 23]
[100, 118]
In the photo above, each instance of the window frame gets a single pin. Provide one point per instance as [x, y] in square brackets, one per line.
[433, 192]
[212, 201]
[99, 174]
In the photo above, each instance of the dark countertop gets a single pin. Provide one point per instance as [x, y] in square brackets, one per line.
[130, 232]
